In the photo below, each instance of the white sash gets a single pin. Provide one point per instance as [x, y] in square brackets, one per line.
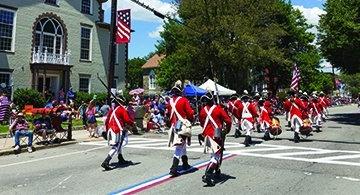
[209, 117]
[173, 109]
[113, 116]
[233, 105]
[246, 113]
[317, 112]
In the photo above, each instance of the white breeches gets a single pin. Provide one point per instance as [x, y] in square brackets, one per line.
[114, 140]
[180, 150]
[247, 126]
[264, 126]
[296, 123]
[317, 120]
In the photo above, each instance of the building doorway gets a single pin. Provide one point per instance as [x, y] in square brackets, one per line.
[51, 84]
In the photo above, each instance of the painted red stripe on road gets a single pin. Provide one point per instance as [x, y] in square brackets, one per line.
[167, 178]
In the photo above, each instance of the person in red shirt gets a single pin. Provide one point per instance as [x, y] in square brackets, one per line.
[295, 107]
[116, 134]
[248, 113]
[233, 109]
[181, 115]
[215, 123]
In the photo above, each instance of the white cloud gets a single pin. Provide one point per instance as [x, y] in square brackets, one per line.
[140, 13]
[312, 16]
[156, 33]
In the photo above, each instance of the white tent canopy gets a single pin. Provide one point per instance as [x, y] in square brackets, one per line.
[210, 86]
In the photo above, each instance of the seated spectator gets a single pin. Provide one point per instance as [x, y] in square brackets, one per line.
[20, 127]
[43, 128]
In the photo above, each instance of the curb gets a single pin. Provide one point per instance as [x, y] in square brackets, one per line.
[77, 128]
[37, 147]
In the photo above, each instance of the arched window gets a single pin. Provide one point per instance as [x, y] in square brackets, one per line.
[152, 80]
[49, 35]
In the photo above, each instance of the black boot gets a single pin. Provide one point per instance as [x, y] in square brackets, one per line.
[296, 137]
[122, 161]
[218, 174]
[247, 141]
[173, 171]
[237, 133]
[266, 136]
[106, 162]
[185, 162]
[208, 177]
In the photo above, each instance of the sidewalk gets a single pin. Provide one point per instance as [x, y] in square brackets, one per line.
[6, 144]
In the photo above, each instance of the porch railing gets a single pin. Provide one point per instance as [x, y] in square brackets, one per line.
[44, 57]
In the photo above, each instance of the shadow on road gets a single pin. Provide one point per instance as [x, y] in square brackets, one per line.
[222, 179]
[115, 165]
[346, 118]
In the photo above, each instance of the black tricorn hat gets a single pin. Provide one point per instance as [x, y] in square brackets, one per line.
[234, 96]
[177, 88]
[207, 97]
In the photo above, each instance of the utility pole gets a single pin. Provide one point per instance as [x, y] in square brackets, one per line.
[112, 49]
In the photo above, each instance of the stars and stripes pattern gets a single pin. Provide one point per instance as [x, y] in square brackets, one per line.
[295, 81]
[123, 32]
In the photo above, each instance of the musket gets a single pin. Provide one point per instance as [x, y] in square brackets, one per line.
[111, 93]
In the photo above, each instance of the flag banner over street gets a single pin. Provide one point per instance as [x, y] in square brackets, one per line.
[123, 26]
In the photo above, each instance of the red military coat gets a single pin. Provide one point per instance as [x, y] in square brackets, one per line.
[182, 106]
[268, 107]
[315, 107]
[264, 115]
[218, 115]
[324, 102]
[233, 107]
[117, 118]
[248, 111]
[295, 108]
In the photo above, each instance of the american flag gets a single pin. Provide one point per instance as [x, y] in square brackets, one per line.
[123, 27]
[295, 78]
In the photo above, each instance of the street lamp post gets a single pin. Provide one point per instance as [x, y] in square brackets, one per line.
[112, 50]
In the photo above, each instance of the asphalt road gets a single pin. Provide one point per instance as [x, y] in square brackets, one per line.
[325, 163]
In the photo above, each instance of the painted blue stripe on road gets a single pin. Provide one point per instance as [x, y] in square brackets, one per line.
[157, 177]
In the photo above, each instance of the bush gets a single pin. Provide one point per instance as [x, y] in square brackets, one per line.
[86, 97]
[23, 97]
[82, 96]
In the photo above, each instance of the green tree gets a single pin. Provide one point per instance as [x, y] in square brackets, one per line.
[340, 34]
[234, 39]
[135, 72]
[352, 83]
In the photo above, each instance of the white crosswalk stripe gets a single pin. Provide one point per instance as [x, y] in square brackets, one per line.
[271, 151]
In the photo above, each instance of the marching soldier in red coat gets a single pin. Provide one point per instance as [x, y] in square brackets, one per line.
[265, 120]
[316, 109]
[116, 133]
[216, 123]
[233, 107]
[295, 107]
[325, 103]
[180, 115]
[248, 113]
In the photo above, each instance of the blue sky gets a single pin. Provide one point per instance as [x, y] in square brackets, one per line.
[147, 26]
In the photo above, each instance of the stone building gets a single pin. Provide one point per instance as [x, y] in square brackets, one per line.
[56, 44]
[149, 74]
